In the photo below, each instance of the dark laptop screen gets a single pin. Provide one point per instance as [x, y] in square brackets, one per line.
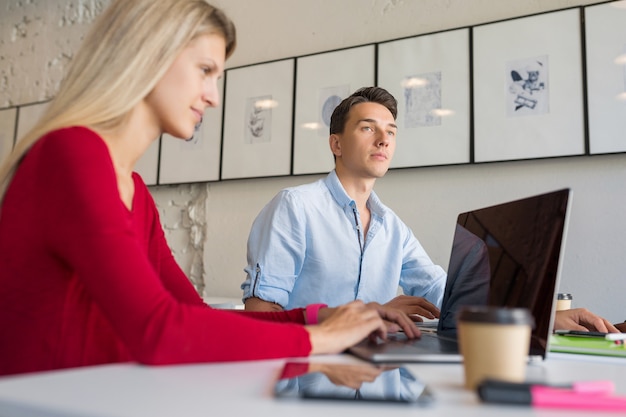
[508, 255]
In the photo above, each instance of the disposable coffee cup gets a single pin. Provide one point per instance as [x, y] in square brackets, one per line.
[563, 301]
[494, 342]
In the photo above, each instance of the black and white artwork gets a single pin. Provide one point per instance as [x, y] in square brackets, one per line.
[258, 120]
[422, 97]
[429, 75]
[329, 99]
[258, 114]
[528, 87]
[322, 81]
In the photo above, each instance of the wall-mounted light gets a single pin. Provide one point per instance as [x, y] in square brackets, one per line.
[265, 104]
[311, 126]
[414, 82]
[620, 60]
[442, 112]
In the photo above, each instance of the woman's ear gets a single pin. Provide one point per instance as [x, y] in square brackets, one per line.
[335, 145]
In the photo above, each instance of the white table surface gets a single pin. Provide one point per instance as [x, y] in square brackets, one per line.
[245, 389]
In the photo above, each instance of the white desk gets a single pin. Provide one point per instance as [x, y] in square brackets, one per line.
[245, 389]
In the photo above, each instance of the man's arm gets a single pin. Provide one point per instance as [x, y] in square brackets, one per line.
[256, 304]
[420, 277]
[276, 234]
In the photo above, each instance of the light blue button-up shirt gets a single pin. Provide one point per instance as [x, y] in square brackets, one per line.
[306, 246]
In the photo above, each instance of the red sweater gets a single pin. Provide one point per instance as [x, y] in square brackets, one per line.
[85, 281]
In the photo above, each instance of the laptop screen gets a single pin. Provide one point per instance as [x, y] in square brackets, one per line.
[508, 255]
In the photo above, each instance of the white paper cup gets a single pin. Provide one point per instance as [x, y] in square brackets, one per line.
[494, 342]
[563, 301]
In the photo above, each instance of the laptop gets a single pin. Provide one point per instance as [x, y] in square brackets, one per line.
[505, 255]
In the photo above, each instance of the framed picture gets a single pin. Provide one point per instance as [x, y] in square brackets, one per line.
[27, 116]
[148, 165]
[322, 81]
[258, 120]
[429, 76]
[197, 159]
[7, 131]
[528, 87]
[605, 34]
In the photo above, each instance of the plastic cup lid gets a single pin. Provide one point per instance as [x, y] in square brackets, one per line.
[498, 315]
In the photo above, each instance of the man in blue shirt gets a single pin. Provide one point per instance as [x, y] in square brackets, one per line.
[334, 241]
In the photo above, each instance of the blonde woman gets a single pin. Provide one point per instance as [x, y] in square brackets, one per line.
[87, 276]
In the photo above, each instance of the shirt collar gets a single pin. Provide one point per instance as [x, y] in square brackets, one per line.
[344, 200]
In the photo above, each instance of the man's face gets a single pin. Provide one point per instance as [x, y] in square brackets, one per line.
[368, 142]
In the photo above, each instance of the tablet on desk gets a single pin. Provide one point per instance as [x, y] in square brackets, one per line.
[353, 382]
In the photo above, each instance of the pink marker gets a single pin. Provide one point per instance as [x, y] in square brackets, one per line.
[593, 395]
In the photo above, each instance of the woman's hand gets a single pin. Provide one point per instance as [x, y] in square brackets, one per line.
[347, 325]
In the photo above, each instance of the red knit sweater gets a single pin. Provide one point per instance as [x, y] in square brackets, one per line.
[85, 281]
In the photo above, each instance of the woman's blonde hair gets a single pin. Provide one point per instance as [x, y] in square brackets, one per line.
[128, 49]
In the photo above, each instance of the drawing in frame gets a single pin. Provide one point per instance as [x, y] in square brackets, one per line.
[7, 131]
[528, 87]
[258, 117]
[605, 33]
[429, 76]
[322, 81]
[198, 158]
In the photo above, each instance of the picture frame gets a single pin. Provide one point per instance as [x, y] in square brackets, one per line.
[605, 40]
[258, 115]
[528, 87]
[322, 81]
[430, 77]
[8, 118]
[197, 159]
[148, 165]
[27, 116]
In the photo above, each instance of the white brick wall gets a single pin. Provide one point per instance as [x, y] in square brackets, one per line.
[37, 40]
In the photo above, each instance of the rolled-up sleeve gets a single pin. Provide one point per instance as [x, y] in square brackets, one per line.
[276, 250]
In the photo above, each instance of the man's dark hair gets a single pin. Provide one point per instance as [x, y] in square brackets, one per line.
[362, 95]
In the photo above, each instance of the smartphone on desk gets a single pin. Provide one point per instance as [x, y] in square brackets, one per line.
[601, 335]
[580, 333]
[351, 382]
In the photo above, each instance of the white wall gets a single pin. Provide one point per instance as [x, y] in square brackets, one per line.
[38, 39]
